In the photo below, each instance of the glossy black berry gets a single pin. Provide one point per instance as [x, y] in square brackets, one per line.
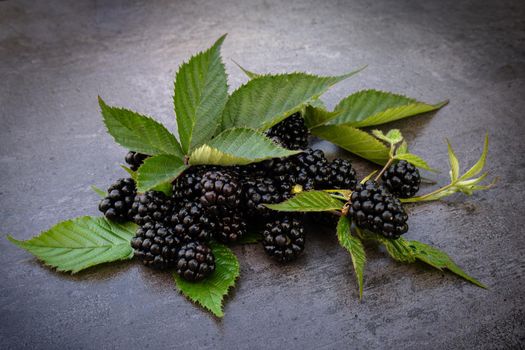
[118, 203]
[195, 261]
[257, 192]
[341, 175]
[156, 245]
[373, 208]
[135, 159]
[312, 164]
[187, 186]
[151, 206]
[220, 191]
[402, 179]
[283, 238]
[291, 133]
[230, 227]
[190, 222]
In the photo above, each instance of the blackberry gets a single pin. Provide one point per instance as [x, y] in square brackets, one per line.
[230, 228]
[249, 170]
[135, 159]
[373, 208]
[117, 204]
[220, 190]
[291, 133]
[283, 238]
[195, 261]
[402, 179]
[191, 223]
[258, 191]
[313, 165]
[155, 245]
[341, 175]
[188, 185]
[151, 206]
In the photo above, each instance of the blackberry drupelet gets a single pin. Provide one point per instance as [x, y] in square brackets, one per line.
[190, 222]
[341, 175]
[402, 179]
[151, 206]
[291, 133]
[373, 208]
[135, 159]
[283, 238]
[195, 261]
[220, 191]
[258, 191]
[230, 228]
[156, 245]
[117, 204]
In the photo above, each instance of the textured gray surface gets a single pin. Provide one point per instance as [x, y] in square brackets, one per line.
[56, 57]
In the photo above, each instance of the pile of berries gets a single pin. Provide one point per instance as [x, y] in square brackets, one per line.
[214, 203]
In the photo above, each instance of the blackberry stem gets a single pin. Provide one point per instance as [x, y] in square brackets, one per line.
[390, 160]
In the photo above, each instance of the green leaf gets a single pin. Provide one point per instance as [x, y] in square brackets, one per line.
[372, 107]
[308, 201]
[132, 174]
[158, 170]
[98, 191]
[476, 168]
[249, 74]
[454, 163]
[238, 146]
[402, 149]
[317, 103]
[392, 137]
[201, 92]
[210, 292]
[354, 247]
[80, 243]
[413, 159]
[355, 141]
[440, 260]
[137, 132]
[317, 116]
[269, 99]
[396, 248]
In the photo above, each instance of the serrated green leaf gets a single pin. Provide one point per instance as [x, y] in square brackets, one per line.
[414, 160]
[354, 247]
[77, 244]
[201, 92]
[476, 168]
[454, 163]
[98, 191]
[309, 201]
[373, 107]
[158, 170]
[355, 141]
[317, 116]
[137, 132]
[402, 149]
[210, 292]
[317, 103]
[238, 146]
[132, 174]
[269, 99]
[249, 74]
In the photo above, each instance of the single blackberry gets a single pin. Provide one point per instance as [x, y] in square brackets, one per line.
[258, 191]
[220, 191]
[195, 261]
[191, 223]
[230, 228]
[341, 175]
[402, 179]
[188, 185]
[291, 133]
[155, 245]
[135, 159]
[283, 238]
[312, 164]
[117, 204]
[151, 206]
[373, 208]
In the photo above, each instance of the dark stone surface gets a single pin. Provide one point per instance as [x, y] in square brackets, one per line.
[56, 57]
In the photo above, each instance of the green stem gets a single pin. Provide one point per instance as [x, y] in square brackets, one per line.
[423, 197]
[390, 160]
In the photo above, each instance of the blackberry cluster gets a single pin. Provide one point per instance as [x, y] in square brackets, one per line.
[375, 209]
[151, 206]
[220, 191]
[402, 179]
[156, 245]
[118, 203]
[283, 238]
[230, 228]
[258, 191]
[188, 185]
[195, 261]
[191, 223]
[135, 159]
[291, 133]
[341, 175]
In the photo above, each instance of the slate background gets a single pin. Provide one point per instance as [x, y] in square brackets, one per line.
[57, 56]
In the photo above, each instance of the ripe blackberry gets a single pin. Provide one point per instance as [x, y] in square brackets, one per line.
[283, 238]
[402, 179]
[375, 209]
[117, 204]
[249, 170]
[195, 261]
[155, 245]
[220, 190]
[191, 223]
[312, 164]
[258, 191]
[151, 206]
[291, 133]
[230, 228]
[188, 185]
[341, 175]
[135, 159]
